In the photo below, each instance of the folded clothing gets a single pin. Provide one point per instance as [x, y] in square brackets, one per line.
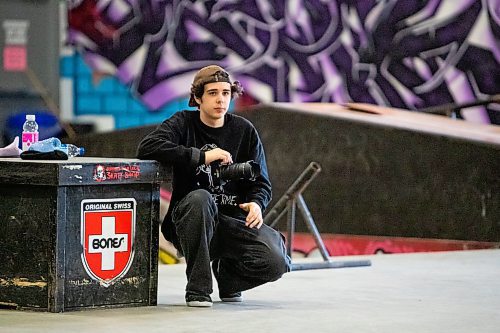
[48, 149]
[49, 155]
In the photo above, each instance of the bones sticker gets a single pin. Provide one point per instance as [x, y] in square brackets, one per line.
[107, 237]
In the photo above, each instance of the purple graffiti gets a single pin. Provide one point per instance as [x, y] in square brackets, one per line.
[406, 54]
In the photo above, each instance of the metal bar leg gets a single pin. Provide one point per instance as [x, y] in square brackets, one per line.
[312, 227]
[277, 219]
[291, 205]
[330, 264]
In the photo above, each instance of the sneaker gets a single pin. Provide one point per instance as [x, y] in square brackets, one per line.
[198, 301]
[234, 297]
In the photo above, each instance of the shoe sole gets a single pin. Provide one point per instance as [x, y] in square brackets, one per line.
[199, 304]
[232, 299]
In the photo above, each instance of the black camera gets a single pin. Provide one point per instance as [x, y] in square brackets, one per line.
[247, 170]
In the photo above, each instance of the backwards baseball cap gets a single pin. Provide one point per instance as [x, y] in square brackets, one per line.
[208, 74]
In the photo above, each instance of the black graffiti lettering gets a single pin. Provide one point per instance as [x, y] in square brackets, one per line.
[106, 243]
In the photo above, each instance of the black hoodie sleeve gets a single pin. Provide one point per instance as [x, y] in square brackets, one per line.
[259, 190]
[164, 144]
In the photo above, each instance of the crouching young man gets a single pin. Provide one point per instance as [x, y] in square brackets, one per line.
[219, 192]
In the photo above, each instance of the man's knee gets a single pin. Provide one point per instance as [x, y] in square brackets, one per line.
[279, 264]
[195, 206]
[198, 200]
[278, 260]
[271, 265]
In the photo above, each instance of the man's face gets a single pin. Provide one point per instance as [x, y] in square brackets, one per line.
[215, 101]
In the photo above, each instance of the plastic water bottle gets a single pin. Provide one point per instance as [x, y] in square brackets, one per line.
[46, 145]
[71, 150]
[30, 131]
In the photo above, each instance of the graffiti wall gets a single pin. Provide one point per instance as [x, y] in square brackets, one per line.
[406, 54]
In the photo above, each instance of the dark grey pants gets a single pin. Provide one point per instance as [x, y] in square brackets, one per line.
[243, 257]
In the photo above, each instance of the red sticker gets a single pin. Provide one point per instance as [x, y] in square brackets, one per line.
[106, 173]
[15, 58]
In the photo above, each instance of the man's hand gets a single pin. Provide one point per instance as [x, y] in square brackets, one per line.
[218, 154]
[254, 217]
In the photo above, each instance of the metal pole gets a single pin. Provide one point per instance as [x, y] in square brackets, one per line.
[276, 220]
[298, 186]
[330, 264]
[291, 208]
[288, 204]
[312, 227]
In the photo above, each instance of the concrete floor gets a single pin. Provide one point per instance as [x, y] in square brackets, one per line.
[420, 292]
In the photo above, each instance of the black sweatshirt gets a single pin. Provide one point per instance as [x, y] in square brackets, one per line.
[181, 141]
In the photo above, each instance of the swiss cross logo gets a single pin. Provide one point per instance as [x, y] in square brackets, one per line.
[107, 237]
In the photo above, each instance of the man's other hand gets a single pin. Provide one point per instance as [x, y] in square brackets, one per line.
[254, 217]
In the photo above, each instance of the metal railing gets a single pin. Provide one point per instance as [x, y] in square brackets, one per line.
[288, 204]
